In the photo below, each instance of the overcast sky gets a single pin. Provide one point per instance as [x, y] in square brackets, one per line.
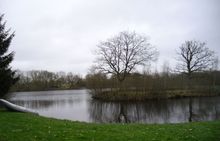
[61, 35]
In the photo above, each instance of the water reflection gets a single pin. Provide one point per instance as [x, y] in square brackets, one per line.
[47, 99]
[206, 109]
[157, 111]
[144, 112]
[78, 105]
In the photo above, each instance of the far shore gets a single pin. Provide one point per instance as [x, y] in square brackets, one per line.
[148, 95]
[132, 95]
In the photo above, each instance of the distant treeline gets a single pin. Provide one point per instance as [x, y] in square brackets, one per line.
[44, 80]
[156, 85]
[157, 81]
[208, 82]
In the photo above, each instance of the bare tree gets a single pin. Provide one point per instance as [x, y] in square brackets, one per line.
[215, 64]
[166, 70]
[194, 56]
[123, 53]
[72, 80]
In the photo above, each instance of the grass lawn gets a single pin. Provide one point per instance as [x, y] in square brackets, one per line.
[26, 127]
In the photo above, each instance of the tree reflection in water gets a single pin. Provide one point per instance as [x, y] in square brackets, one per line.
[44, 100]
[205, 109]
[78, 105]
[155, 111]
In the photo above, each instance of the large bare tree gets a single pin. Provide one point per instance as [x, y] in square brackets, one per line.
[194, 56]
[123, 53]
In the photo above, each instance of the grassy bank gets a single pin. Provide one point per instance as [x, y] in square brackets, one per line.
[138, 95]
[20, 127]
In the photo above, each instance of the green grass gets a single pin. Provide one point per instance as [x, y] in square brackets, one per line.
[26, 127]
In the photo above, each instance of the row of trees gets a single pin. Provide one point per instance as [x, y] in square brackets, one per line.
[154, 81]
[45, 80]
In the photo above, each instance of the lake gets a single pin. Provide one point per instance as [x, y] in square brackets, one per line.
[78, 105]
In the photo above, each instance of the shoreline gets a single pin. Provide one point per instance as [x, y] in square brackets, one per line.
[133, 95]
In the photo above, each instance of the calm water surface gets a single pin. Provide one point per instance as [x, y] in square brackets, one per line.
[78, 105]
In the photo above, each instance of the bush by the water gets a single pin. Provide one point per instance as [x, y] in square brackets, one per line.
[154, 86]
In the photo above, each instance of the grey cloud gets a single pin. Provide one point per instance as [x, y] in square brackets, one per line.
[60, 35]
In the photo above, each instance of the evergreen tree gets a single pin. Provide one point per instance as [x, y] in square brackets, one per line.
[7, 76]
